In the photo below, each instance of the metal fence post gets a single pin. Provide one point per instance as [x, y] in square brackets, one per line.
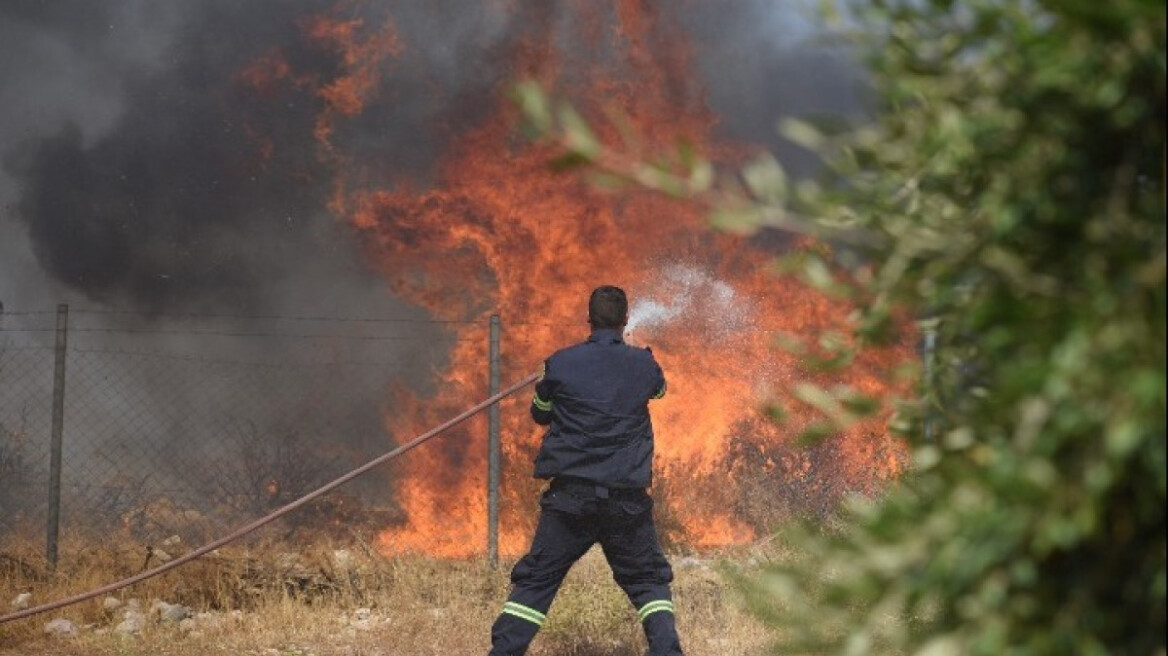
[493, 448]
[54, 514]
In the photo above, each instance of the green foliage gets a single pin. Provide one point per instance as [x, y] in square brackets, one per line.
[1008, 191]
[1013, 185]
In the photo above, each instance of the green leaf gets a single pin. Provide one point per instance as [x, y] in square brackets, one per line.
[534, 104]
[814, 433]
[568, 161]
[816, 273]
[766, 179]
[701, 176]
[775, 413]
[861, 405]
[578, 136]
[802, 133]
[738, 220]
[1124, 438]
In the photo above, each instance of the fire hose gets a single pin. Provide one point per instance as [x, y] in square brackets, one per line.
[279, 512]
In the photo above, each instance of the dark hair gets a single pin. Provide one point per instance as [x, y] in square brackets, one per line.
[608, 307]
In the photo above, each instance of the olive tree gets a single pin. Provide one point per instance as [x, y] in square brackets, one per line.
[1008, 190]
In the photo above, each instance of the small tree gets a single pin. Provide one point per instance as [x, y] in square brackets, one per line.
[1010, 192]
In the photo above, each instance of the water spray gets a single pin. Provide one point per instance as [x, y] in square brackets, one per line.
[682, 286]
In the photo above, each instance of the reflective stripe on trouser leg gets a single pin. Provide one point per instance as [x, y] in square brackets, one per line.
[524, 613]
[559, 540]
[661, 605]
[657, 620]
[514, 630]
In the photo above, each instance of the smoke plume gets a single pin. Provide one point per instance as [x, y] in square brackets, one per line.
[149, 172]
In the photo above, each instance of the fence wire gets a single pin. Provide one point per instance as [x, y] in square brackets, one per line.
[191, 425]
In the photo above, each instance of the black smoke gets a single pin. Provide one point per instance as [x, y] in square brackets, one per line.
[176, 205]
[142, 170]
[204, 192]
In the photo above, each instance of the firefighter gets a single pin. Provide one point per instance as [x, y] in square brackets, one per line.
[598, 454]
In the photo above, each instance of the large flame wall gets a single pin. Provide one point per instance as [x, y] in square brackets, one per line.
[498, 231]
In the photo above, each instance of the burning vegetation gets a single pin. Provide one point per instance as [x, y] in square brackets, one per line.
[412, 145]
[499, 230]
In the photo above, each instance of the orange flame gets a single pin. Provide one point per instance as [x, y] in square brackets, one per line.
[361, 56]
[502, 233]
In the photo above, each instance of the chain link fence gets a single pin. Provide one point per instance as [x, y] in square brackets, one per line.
[187, 426]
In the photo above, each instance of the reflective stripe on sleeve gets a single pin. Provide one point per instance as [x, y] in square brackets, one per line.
[524, 613]
[654, 607]
[540, 403]
[661, 392]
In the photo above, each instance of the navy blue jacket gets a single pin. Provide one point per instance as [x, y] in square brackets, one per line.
[594, 397]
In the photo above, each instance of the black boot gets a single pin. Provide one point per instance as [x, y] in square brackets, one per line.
[661, 631]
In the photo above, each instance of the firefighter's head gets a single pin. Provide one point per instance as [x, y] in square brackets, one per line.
[608, 308]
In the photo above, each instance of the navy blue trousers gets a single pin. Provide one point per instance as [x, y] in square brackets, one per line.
[571, 521]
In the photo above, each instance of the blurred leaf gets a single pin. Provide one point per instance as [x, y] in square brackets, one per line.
[814, 434]
[775, 413]
[835, 362]
[534, 104]
[740, 220]
[802, 133]
[816, 273]
[860, 405]
[608, 181]
[569, 161]
[701, 176]
[790, 343]
[825, 402]
[1007, 184]
[577, 135]
[766, 179]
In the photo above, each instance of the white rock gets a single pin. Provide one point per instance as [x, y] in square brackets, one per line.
[173, 612]
[343, 559]
[21, 601]
[133, 621]
[110, 604]
[61, 627]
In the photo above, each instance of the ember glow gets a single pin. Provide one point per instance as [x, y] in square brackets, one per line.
[500, 231]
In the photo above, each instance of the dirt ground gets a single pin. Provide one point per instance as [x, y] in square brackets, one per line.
[409, 609]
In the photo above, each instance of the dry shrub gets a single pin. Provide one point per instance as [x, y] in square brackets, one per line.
[591, 616]
[332, 598]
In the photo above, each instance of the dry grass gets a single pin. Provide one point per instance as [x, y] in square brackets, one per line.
[332, 599]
